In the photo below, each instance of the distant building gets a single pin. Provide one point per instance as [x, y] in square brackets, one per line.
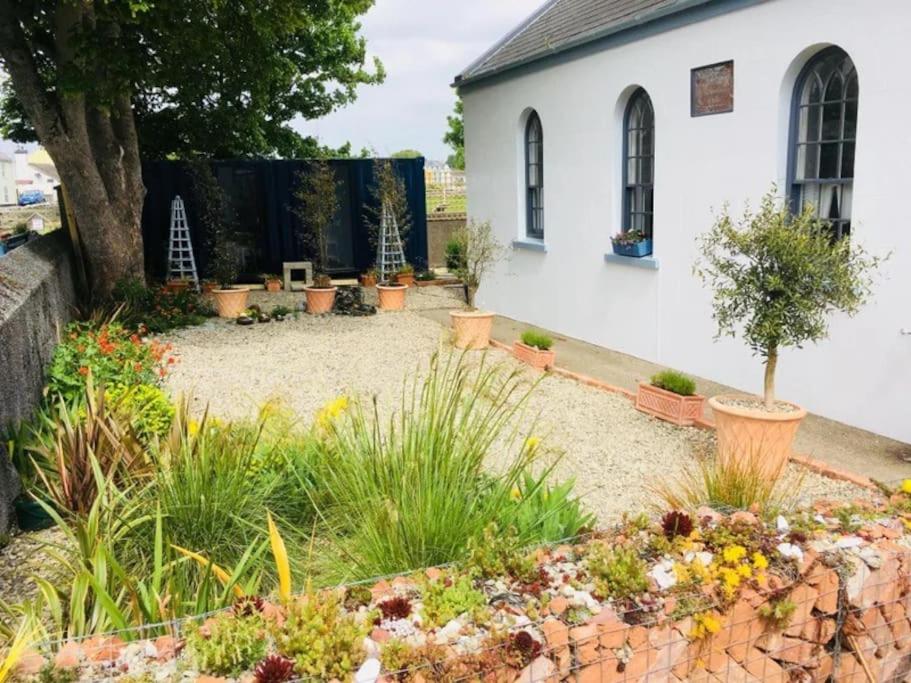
[36, 171]
[7, 180]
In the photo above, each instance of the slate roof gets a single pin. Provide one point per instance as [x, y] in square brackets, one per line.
[561, 24]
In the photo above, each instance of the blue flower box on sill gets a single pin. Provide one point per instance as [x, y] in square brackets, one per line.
[636, 249]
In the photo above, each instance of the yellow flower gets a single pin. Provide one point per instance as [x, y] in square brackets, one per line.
[515, 493]
[192, 428]
[682, 572]
[532, 442]
[906, 486]
[760, 561]
[705, 624]
[734, 553]
[745, 571]
[329, 412]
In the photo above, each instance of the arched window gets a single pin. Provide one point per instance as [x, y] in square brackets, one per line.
[823, 134]
[639, 163]
[534, 177]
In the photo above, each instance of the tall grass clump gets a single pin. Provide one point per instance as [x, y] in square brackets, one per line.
[413, 490]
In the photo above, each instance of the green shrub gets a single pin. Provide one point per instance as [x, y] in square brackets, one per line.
[618, 572]
[323, 641]
[455, 255]
[500, 553]
[537, 339]
[443, 603]
[676, 382]
[425, 276]
[545, 513]
[109, 352]
[147, 408]
[226, 645]
[157, 310]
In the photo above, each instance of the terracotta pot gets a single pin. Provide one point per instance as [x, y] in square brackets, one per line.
[658, 402]
[176, 286]
[406, 279]
[209, 287]
[747, 434]
[537, 358]
[368, 280]
[230, 303]
[390, 298]
[471, 329]
[320, 300]
[274, 285]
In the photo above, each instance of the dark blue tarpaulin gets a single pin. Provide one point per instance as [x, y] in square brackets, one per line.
[261, 193]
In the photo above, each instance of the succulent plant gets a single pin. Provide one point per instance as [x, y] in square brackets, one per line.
[524, 644]
[676, 523]
[248, 605]
[274, 669]
[395, 608]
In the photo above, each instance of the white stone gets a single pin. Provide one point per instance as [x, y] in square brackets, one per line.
[790, 551]
[782, 524]
[369, 671]
[663, 574]
[849, 542]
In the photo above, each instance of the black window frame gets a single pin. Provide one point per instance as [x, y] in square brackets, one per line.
[534, 183]
[646, 206]
[798, 187]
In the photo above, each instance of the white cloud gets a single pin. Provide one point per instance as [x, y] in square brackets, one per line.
[423, 44]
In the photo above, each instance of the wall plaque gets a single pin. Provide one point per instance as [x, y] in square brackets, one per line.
[712, 89]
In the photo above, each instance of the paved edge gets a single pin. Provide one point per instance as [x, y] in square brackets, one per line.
[817, 466]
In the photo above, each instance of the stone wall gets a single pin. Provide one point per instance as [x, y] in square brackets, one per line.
[37, 297]
[440, 228]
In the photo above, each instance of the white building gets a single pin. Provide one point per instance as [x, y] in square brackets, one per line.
[36, 171]
[550, 106]
[7, 180]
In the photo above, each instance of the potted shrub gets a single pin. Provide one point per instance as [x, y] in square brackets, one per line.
[390, 295]
[535, 350]
[405, 275]
[671, 396]
[208, 286]
[368, 279]
[776, 277]
[480, 250]
[318, 197]
[230, 300]
[632, 243]
[272, 282]
[176, 286]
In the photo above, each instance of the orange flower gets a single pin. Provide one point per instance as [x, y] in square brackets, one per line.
[83, 371]
[137, 367]
[171, 360]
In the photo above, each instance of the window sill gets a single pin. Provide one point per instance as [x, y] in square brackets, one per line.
[644, 262]
[530, 245]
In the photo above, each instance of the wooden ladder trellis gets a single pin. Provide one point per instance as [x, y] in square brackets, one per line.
[181, 262]
[390, 256]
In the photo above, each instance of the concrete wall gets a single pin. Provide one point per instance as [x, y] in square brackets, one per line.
[861, 373]
[37, 297]
[440, 228]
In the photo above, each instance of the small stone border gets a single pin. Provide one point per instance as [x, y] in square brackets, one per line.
[817, 466]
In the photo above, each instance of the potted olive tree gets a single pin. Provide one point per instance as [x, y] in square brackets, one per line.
[317, 195]
[776, 277]
[480, 251]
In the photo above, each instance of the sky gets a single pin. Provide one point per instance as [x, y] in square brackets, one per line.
[423, 44]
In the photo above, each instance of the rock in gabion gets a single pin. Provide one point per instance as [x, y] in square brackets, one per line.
[349, 300]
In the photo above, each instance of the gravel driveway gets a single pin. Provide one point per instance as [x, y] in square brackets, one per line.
[613, 451]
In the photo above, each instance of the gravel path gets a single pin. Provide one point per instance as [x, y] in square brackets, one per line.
[614, 452]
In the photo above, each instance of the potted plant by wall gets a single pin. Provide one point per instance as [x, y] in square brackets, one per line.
[632, 243]
[390, 295]
[405, 275]
[272, 282]
[535, 350]
[776, 277]
[230, 300]
[368, 278]
[208, 285]
[480, 251]
[177, 285]
[671, 396]
[317, 195]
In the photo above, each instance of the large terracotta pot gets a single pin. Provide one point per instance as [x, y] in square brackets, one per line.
[406, 279]
[391, 298]
[230, 303]
[749, 435]
[681, 410]
[320, 299]
[471, 329]
[537, 358]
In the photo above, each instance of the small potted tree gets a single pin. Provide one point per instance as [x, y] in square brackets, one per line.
[776, 277]
[272, 282]
[230, 300]
[535, 350]
[368, 278]
[405, 275]
[480, 250]
[390, 295]
[671, 396]
[317, 195]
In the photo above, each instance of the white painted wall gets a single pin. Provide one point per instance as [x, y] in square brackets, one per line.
[861, 375]
[7, 181]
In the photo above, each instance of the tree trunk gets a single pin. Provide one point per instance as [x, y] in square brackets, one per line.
[94, 147]
[770, 364]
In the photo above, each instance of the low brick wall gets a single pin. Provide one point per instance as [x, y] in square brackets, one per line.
[37, 298]
[440, 229]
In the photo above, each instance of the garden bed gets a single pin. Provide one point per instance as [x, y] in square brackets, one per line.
[712, 597]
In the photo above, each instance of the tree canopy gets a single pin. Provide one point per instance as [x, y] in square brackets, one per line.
[455, 137]
[406, 154]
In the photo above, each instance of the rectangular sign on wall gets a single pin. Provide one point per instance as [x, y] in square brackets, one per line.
[712, 89]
